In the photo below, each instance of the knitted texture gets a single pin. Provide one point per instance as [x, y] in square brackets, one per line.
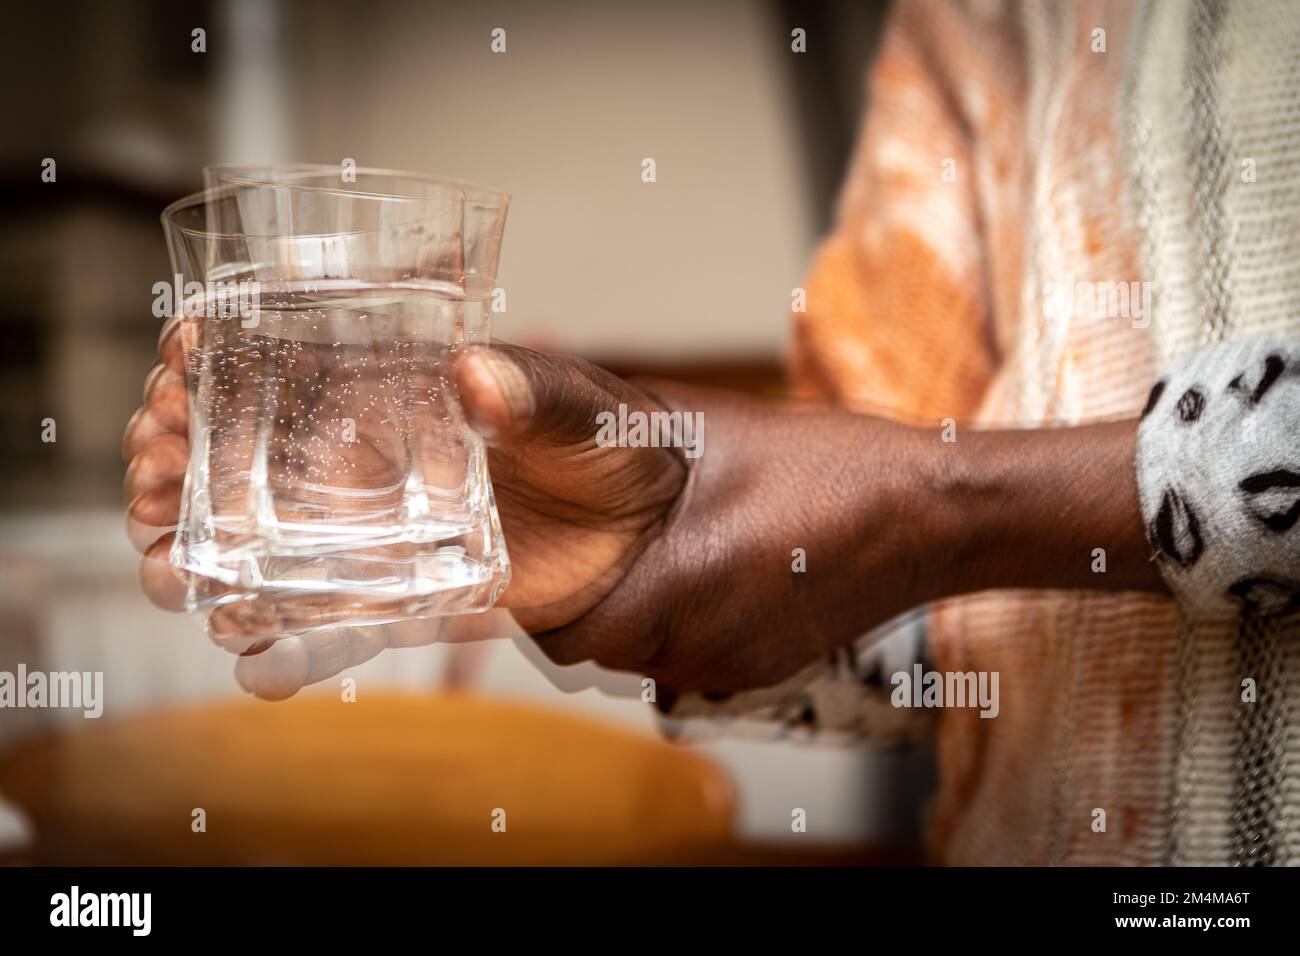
[1219, 479]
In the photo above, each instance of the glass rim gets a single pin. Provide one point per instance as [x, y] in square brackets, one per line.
[474, 193]
[173, 210]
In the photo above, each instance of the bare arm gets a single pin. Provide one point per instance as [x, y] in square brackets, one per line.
[1031, 508]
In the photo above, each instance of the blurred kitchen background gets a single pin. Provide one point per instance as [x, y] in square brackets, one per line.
[688, 277]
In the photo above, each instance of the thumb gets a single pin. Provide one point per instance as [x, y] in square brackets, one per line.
[510, 392]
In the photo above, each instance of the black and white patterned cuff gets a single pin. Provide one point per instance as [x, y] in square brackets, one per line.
[843, 696]
[1218, 469]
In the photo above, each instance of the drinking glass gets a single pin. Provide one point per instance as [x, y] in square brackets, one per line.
[333, 480]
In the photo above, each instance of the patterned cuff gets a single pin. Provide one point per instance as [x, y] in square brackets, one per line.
[842, 697]
[1218, 469]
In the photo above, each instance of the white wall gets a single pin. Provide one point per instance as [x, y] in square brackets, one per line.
[699, 264]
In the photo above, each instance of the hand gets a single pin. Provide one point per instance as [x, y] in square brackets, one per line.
[717, 602]
[574, 514]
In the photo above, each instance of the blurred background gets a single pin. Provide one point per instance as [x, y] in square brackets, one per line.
[688, 277]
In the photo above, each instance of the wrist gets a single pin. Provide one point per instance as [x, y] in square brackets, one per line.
[1039, 508]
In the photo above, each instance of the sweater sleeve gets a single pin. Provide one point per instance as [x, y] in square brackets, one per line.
[845, 695]
[1218, 468]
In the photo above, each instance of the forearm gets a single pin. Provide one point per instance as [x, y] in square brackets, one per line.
[1052, 507]
[891, 516]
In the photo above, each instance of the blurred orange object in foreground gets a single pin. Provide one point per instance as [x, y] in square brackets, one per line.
[390, 779]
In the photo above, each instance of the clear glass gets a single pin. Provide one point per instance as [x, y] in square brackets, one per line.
[333, 480]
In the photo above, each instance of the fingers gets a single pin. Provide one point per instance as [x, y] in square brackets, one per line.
[513, 392]
[277, 673]
[152, 514]
[165, 396]
[247, 626]
[166, 401]
[154, 442]
[162, 460]
[251, 626]
[140, 430]
[291, 664]
[171, 351]
[469, 628]
[163, 584]
[166, 410]
[418, 632]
